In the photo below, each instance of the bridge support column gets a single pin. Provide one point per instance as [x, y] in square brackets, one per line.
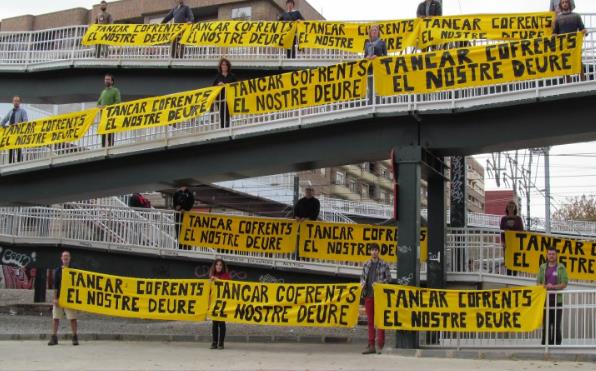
[458, 213]
[408, 162]
[436, 226]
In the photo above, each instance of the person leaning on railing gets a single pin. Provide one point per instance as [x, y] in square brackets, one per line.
[291, 15]
[103, 18]
[568, 22]
[15, 116]
[510, 222]
[373, 47]
[180, 14]
[553, 276]
[109, 95]
[224, 76]
[184, 201]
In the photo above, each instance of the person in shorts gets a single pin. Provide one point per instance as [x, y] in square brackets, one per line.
[58, 312]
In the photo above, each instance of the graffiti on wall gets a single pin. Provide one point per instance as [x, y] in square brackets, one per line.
[15, 269]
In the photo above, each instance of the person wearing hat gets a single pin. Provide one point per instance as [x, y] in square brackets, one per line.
[375, 270]
[308, 207]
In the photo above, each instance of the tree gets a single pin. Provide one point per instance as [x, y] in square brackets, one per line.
[578, 208]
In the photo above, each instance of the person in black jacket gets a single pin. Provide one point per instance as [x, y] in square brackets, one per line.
[291, 15]
[184, 200]
[429, 8]
[224, 76]
[307, 207]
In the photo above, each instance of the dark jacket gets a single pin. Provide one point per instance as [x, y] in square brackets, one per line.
[307, 208]
[378, 48]
[291, 16]
[180, 14]
[184, 199]
[434, 10]
[225, 79]
[57, 281]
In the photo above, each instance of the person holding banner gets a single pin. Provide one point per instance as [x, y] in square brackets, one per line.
[373, 47]
[291, 15]
[184, 201]
[224, 76]
[429, 8]
[553, 276]
[218, 271]
[58, 312]
[510, 222]
[103, 18]
[109, 95]
[180, 14]
[15, 116]
[555, 6]
[375, 270]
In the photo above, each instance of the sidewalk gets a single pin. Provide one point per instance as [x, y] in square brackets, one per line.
[109, 355]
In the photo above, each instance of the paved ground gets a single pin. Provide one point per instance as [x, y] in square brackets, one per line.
[192, 356]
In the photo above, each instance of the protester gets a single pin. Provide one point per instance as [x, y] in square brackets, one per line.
[373, 47]
[109, 95]
[184, 201]
[291, 15]
[58, 312]
[138, 200]
[429, 8]
[569, 22]
[375, 270]
[218, 271]
[224, 76]
[555, 6]
[180, 14]
[103, 18]
[553, 276]
[510, 222]
[308, 207]
[15, 116]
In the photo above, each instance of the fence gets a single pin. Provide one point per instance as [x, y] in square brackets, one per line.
[577, 317]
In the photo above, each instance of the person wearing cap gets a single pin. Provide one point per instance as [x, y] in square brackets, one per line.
[308, 207]
[375, 270]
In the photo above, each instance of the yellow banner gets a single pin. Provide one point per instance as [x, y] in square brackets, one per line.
[297, 89]
[260, 235]
[440, 30]
[163, 299]
[132, 34]
[349, 242]
[477, 66]
[517, 309]
[50, 130]
[157, 111]
[320, 305]
[398, 35]
[240, 33]
[525, 252]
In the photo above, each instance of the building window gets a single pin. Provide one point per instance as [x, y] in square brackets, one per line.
[372, 192]
[244, 13]
[364, 166]
[364, 190]
[340, 178]
[352, 185]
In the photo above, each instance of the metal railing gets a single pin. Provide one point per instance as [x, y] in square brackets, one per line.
[208, 126]
[571, 325]
[469, 252]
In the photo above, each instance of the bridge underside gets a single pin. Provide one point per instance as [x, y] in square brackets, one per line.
[84, 85]
[333, 143]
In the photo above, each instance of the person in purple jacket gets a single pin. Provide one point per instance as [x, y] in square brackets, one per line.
[510, 222]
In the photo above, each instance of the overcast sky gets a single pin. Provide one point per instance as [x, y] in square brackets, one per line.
[573, 167]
